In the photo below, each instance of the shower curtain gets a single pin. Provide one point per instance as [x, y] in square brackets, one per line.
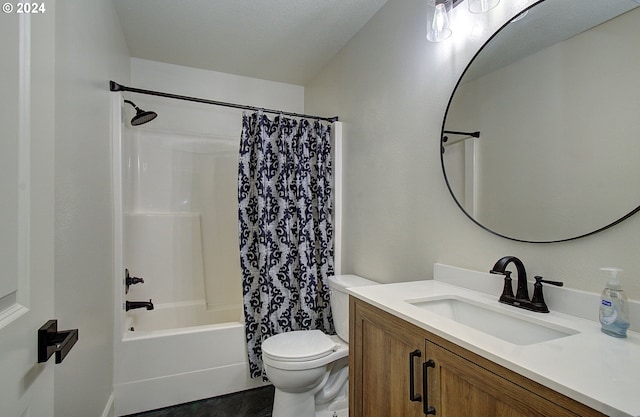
[285, 228]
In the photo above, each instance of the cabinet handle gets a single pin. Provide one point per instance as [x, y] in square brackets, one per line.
[427, 408]
[412, 394]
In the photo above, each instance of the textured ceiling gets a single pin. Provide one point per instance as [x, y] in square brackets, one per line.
[280, 40]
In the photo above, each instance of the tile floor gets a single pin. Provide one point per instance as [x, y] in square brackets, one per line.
[257, 402]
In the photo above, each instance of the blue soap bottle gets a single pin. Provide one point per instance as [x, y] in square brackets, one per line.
[614, 312]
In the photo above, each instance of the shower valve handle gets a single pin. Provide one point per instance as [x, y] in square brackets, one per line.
[129, 280]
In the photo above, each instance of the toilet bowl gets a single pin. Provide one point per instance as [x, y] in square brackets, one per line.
[308, 368]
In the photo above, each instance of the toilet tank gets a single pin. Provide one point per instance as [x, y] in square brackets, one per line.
[340, 300]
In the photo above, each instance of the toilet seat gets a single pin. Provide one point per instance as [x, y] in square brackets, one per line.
[298, 346]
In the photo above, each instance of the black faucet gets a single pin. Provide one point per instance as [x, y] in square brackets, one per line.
[521, 299]
[501, 268]
[130, 305]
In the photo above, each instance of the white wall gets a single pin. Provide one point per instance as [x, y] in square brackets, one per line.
[211, 85]
[390, 87]
[90, 50]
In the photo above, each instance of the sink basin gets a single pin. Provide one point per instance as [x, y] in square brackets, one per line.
[495, 322]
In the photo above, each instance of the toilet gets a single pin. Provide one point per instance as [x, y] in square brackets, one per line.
[309, 369]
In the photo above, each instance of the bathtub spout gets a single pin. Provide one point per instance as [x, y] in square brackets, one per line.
[130, 305]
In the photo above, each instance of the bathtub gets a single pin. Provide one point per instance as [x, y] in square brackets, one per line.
[179, 315]
[160, 366]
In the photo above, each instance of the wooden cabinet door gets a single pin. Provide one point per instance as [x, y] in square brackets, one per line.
[459, 387]
[381, 365]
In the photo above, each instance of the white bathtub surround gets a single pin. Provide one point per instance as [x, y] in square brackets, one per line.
[191, 346]
[173, 204]
[180, 209]
[184, 349]
[165, 249]
[337, 197]
[600, 371]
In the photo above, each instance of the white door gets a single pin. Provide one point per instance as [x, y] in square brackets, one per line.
[26, 209]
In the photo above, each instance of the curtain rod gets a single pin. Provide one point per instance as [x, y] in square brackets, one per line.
[114, 86]
[467, 135]
[456, 132]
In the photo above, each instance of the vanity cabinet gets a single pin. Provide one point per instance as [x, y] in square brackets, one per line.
[397, 369]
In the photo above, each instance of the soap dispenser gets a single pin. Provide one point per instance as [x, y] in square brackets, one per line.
[614, 315]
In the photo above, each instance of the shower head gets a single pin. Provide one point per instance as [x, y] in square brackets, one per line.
[141, 116]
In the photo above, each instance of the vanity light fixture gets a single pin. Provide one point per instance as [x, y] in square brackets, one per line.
[439, 15]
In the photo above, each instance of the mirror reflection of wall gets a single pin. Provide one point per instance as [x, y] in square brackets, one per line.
[560, 143]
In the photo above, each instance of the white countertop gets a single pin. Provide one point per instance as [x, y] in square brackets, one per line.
[600, 371]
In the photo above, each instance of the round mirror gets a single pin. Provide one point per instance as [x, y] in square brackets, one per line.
[541, 139]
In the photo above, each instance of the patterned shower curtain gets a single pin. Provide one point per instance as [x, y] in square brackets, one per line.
[286, 228]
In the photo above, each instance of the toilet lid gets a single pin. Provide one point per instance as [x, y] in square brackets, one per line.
[299, 345]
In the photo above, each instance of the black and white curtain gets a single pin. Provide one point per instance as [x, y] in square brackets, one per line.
[285, 185]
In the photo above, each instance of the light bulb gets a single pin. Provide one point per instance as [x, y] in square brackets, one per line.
[439, 28]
